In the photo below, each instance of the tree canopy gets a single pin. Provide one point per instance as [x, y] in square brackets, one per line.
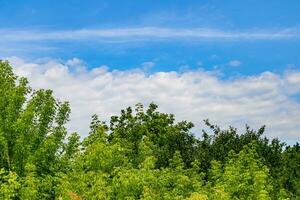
[139, 154]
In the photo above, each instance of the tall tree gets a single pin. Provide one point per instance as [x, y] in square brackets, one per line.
[32, 132]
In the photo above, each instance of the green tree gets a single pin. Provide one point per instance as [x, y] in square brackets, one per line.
[244, 176]
[161, 129]
[290, 175]
[32, 135]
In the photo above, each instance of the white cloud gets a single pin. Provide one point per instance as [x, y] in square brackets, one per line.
[192, 95]
[234, 63]
[144, 33]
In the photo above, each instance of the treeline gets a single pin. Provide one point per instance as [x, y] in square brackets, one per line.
[139, 154]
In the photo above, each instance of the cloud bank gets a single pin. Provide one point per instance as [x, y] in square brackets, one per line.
[266, 98]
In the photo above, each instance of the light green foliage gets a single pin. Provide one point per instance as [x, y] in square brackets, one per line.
[244, 176]
[197, 196]
[9, 185]
[33, 149]
[29, 189]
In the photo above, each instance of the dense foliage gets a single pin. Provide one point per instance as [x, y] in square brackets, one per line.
[140, 154]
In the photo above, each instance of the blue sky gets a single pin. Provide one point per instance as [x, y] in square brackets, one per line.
[233, 61]
[255, 55]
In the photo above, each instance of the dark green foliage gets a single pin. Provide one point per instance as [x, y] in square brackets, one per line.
[141, 154]
[290, 174]
[167, 136]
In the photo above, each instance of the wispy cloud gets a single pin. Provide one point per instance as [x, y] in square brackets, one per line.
[234, 63]
[145, 33]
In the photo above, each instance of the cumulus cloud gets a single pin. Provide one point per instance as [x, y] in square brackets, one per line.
[193, 95]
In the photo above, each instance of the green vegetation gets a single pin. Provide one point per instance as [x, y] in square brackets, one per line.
[140, 154]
